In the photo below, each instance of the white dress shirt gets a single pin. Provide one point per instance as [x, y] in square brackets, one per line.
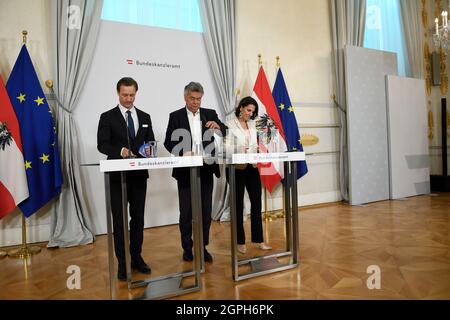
[196, 127]
[134, 116]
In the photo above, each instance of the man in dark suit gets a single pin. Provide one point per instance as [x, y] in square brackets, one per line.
[188, 132]
[121, 132]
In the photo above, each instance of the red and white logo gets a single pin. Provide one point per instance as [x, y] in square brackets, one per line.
[132, 164]
[130, 61]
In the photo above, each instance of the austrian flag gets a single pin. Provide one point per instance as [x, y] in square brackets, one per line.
[273, 139]
[13, 179]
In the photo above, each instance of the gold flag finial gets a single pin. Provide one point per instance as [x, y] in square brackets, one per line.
[259, 59]
[49, 84]
[24, 36]
[278, 61]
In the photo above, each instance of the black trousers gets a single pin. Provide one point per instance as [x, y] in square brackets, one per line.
[249, 179]
[136, 192]
[184, 198]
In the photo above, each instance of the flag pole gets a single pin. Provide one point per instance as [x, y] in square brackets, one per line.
[266, 215]
[282, 215]
[24, 36]
[24, 251]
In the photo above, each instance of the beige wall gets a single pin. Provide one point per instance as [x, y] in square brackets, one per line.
[299, 32]
[33, 16]
[296, 30]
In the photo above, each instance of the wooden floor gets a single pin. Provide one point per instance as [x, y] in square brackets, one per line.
[408, 239]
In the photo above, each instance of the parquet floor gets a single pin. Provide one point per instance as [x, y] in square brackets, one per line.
[408, 239]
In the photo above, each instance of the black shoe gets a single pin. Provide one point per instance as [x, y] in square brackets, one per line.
[121, 274]
[141, 266]
[187, 255]
[208, 257]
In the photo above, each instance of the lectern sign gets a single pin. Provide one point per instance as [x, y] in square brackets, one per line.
[239, 158]
[149, 163]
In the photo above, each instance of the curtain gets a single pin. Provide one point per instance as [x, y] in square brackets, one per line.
[219, 32]
[347, 25]
[75, 26]
[410, 10]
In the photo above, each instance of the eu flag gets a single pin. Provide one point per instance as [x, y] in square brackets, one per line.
[288, 121]
[40, 147]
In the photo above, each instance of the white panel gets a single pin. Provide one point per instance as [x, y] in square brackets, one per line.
[160, 92]
[408, 143]
[367, 123]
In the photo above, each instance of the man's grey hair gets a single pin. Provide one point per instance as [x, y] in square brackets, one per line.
[193, 87]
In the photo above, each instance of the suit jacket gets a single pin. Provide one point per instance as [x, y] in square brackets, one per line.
[237, 139]
[179, 120]
[112, 136]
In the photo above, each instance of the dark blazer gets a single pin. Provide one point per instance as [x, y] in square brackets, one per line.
[112, 136]
[179, 120]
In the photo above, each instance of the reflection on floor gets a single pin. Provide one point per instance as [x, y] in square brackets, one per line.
[408, 240]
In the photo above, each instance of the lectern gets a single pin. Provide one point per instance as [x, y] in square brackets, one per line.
[266, 264]
[167, 285]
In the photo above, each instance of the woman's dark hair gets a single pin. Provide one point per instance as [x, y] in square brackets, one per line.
[127, 82]
[245, 102]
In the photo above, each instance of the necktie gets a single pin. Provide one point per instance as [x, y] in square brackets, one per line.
[130, 125]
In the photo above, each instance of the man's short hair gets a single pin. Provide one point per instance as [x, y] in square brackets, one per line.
[127, 82]
[193, 87]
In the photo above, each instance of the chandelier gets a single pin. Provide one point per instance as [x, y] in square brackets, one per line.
[441, 36]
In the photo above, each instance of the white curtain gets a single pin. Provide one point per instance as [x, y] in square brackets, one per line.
[219, 32]
[411, 16]
[75, 26]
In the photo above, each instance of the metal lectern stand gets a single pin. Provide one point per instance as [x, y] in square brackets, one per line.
[266, 264]
[167, 285]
